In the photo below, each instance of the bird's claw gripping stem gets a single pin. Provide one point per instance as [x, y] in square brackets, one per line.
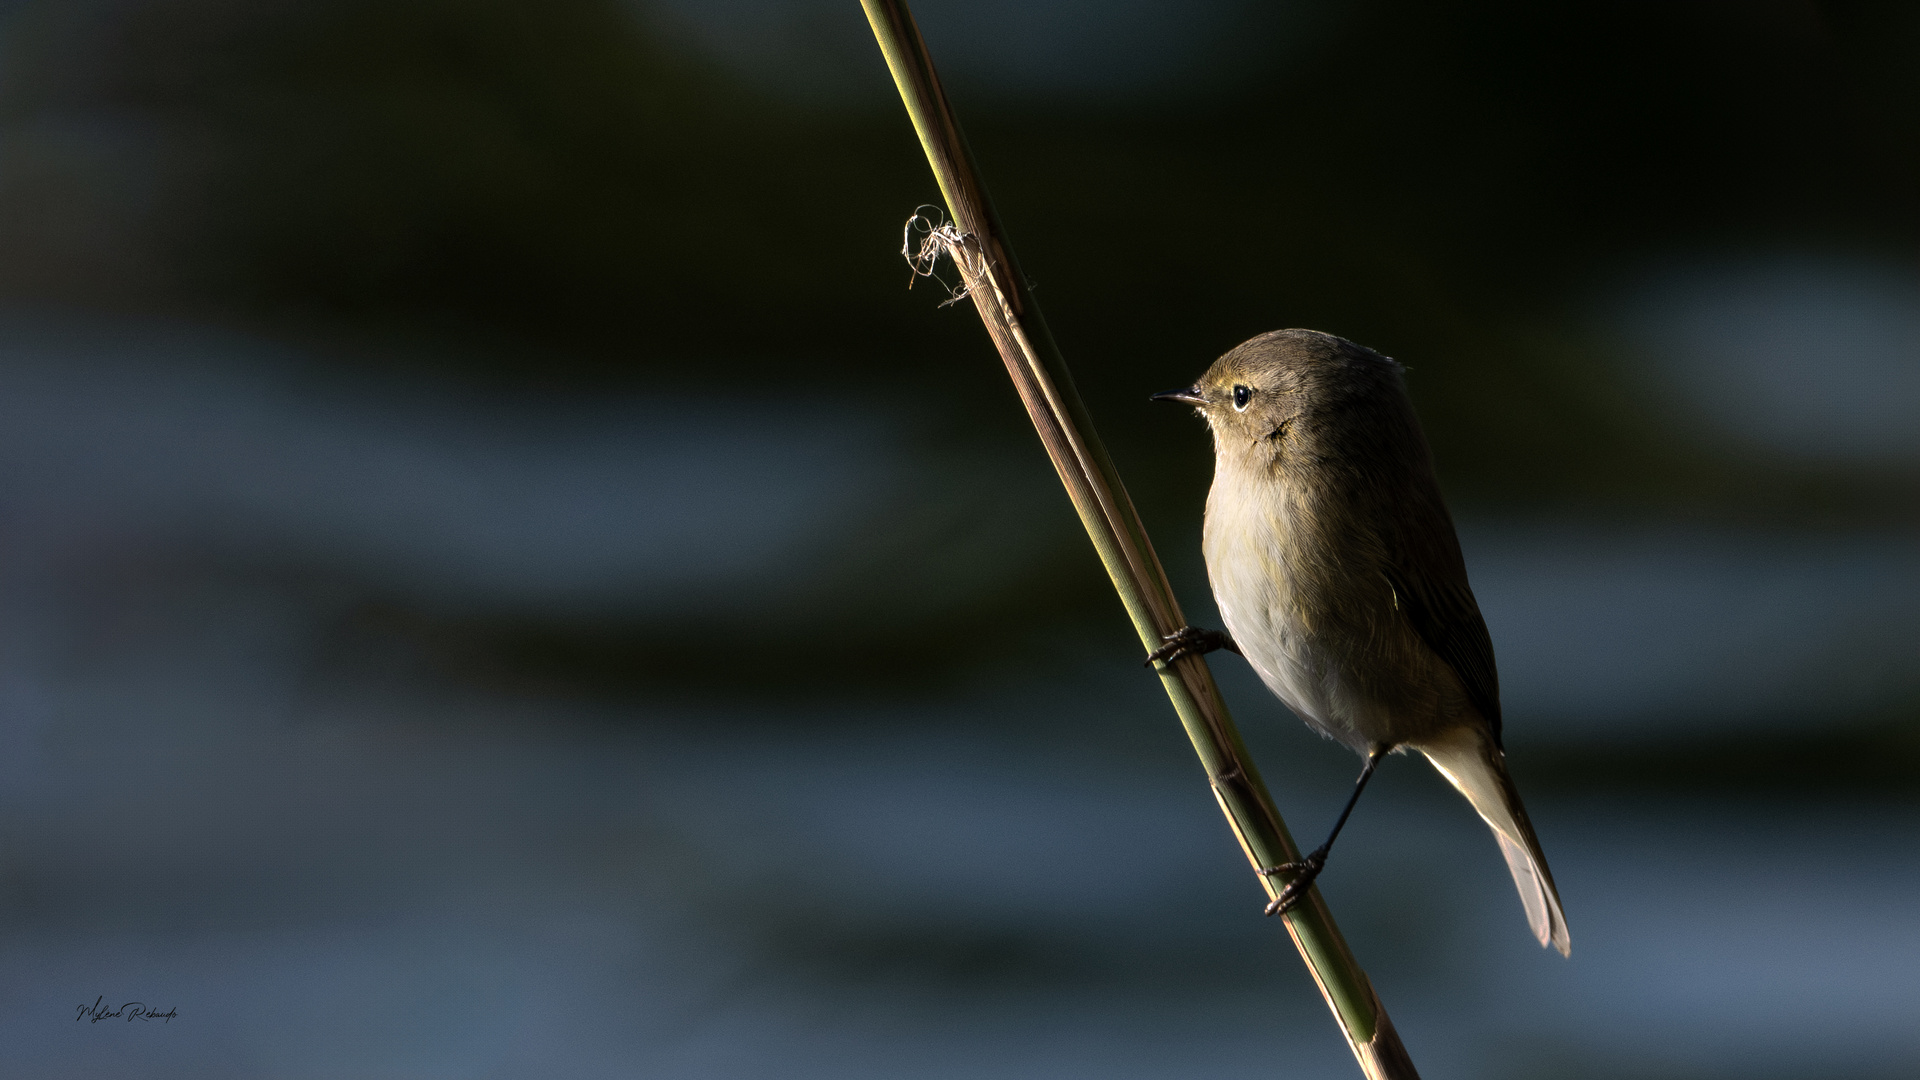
[1304, 872]
[1191, 641]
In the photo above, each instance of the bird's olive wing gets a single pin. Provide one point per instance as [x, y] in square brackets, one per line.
[1444, 614]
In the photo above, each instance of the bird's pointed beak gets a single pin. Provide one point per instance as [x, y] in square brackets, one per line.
[1187, 396]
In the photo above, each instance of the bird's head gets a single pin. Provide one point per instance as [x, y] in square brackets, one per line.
[1255, 391]
[1263, 396]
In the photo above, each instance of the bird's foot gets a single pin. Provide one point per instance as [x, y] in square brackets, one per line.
[1302, 873]
[1191, 641]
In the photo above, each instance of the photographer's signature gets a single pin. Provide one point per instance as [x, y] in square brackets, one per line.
[131, 1011]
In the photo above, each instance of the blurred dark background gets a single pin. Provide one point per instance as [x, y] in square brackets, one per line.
[499, 576]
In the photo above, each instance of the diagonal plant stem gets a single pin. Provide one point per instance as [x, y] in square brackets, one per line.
[999, 291]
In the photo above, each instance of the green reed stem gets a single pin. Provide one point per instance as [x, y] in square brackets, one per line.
[999, 292]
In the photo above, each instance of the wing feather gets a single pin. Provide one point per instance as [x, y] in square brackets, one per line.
[1441, 608]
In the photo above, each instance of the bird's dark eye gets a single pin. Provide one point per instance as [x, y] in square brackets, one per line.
[1242, 395]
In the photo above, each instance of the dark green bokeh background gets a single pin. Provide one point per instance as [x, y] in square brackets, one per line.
[572, 194]
[601, 202]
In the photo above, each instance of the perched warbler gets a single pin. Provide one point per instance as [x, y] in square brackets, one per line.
[1340, 579]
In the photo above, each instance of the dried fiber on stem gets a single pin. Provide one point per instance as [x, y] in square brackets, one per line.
[938, 238]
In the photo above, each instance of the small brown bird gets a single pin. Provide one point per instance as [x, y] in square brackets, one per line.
[1340, 579]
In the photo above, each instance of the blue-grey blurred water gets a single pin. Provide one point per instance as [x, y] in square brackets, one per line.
[1815, 357]
[341, 868]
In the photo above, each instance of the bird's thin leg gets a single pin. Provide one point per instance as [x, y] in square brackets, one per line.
[1305, 870]
[1191, 641]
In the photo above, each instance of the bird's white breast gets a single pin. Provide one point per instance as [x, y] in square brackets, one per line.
[1254, 584]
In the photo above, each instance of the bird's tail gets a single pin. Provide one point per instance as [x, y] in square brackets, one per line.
[1470, 761]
